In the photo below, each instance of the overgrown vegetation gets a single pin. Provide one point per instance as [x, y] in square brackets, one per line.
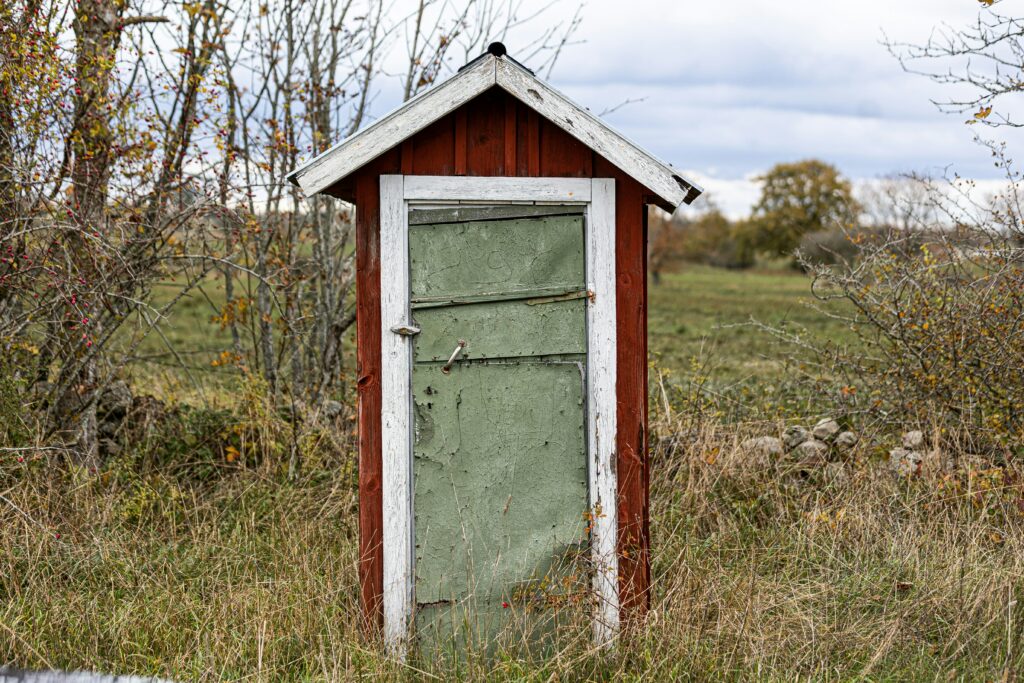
[208, 531]
[145, 144]
[939, 324]
[203, 569]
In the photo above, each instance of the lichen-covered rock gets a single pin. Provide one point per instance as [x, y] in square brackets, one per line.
[913, 440]
[115, 400]
[108, 429]
[109, 448]
[935, 461]
[811, 452]
[826, 429]
[845, 441]
[811, 456]
[762, 445]
[794, 436]
[905, 462]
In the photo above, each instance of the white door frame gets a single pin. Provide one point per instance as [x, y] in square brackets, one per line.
[397, 194]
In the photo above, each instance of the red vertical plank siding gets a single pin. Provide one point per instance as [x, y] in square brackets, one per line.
[524, 137]
[510, 136]
[496, 135]
[434, 149]
[642, 592]
[562, 155]
[371, 503]
[631, 301]
[408, 155]
[533, 144]
[485, 132]
[461, 143]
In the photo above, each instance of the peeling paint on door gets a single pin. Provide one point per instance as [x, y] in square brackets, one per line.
[499, 469]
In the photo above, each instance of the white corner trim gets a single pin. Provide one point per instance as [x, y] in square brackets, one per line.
[575, 120]
[396, 418]
[598, 196]
[363, 147]
[602, 406]
[488, 188]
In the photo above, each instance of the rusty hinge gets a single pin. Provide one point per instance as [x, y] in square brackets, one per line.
[406, 330]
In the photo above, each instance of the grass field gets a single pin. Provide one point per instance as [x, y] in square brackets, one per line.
[699, 315]
[184, 560]
[703, 312]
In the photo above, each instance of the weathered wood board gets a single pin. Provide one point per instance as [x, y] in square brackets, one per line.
[541, 149]
[491, 122]
[500, 480]
[521, 257]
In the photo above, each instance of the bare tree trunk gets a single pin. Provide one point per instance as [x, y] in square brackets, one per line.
[11, 27]
[265, 313]
[230, 150]
[97, 27]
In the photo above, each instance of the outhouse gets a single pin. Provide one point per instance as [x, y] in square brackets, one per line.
[501, 235]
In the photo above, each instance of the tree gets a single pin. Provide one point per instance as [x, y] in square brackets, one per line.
[982, 61]
[143, 142]
[797, 199]
[936, 295]
[663, 241]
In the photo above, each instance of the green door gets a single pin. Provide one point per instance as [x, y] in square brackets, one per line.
[499, 467]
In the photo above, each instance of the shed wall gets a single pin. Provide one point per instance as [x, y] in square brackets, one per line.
[496, 135]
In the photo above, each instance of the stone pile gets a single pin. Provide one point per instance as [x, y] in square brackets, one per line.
[909, 459]
[810, 449]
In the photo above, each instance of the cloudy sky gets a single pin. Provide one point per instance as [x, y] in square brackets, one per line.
[732, 87]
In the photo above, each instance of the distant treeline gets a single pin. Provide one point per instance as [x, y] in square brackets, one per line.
[807, 212]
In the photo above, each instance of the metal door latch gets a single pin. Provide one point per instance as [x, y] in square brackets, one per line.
[406, 330]
[455, 354]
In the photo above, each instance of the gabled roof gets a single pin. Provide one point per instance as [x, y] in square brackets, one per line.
[494, 69]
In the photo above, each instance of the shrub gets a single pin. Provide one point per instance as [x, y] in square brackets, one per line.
[714, 240]
[828, 247]
[939, 313]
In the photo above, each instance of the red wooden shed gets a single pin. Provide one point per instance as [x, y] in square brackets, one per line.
[492, 136]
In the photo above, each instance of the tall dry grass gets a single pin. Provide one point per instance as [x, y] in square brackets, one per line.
[760, 572]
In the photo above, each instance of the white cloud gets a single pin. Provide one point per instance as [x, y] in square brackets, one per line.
[731, 88]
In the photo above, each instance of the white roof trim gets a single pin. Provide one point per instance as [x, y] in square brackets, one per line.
[427, 107]
[366, 145]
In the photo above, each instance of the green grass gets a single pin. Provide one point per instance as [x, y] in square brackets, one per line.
[704, 313]
[700, 314]
[178, 561]
[174, 358]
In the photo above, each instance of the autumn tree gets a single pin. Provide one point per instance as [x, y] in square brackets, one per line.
[935, 295]
[143, 142]
[663, 242]
[798, 199]
[78, 258]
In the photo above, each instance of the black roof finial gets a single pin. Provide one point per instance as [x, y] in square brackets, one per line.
[498, 50]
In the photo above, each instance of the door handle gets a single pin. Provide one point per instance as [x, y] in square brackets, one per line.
[455, 354]
[406, 330]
